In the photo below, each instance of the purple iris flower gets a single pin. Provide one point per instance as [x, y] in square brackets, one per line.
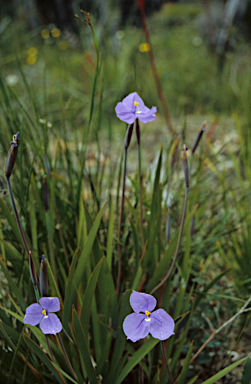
[42, 315]
[132, 107]
[138, 325]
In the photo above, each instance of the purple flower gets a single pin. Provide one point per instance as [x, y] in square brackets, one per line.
[132, 108]
[42, 315]
[14, 143]
[138, 325]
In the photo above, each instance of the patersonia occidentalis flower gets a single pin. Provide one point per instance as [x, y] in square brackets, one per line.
[132, 107]
[43, 315]
[139, 324]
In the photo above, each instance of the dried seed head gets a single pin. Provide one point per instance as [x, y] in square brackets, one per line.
[198, 137]
[12, 155]
[185, 165]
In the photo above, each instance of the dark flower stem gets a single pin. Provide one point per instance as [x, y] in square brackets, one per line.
[140, 184]
[127, 141]
[166, 362]
[31, 262]
[17, 216]
[67, 358]
[120, 222]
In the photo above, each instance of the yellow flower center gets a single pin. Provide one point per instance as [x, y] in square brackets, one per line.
[44, 313]
[147, 313]
[136, 103]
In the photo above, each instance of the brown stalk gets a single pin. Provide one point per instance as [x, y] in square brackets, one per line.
[141, 5]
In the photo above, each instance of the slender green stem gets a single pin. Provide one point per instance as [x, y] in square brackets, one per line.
[66, 357]
[165, 361]
[183, 215]
[120, 222]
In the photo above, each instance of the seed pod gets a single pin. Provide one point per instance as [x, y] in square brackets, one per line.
[185, 165]
[128, 135]
[43, 278]
[45, 195]
[12, 155]
[198, 137]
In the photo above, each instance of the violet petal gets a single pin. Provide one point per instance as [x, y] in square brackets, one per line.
[135, 326]
[128, 101]
[128, 112]
[161, 325]
[125, 115]
[147, 115]
[50, 324]
[33, 314]
[50, 304]
[141, 302]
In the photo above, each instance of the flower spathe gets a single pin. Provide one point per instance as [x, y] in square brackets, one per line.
[139, 324]
[43, 315]
[132, 107]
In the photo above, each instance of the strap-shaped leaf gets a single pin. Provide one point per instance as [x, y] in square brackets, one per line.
[43, 357]
[88, 297]
[183, 374]
[12, 285]
[11, 220]
[83, 348]
[136, 358]
[224, 372]
[87, 248]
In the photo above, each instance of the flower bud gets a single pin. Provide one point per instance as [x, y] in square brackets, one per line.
[43, 278]
[128, 135]
[46, 195]
[12, 155]
[185, 165]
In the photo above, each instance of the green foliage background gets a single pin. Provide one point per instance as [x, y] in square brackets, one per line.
[63, 106]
